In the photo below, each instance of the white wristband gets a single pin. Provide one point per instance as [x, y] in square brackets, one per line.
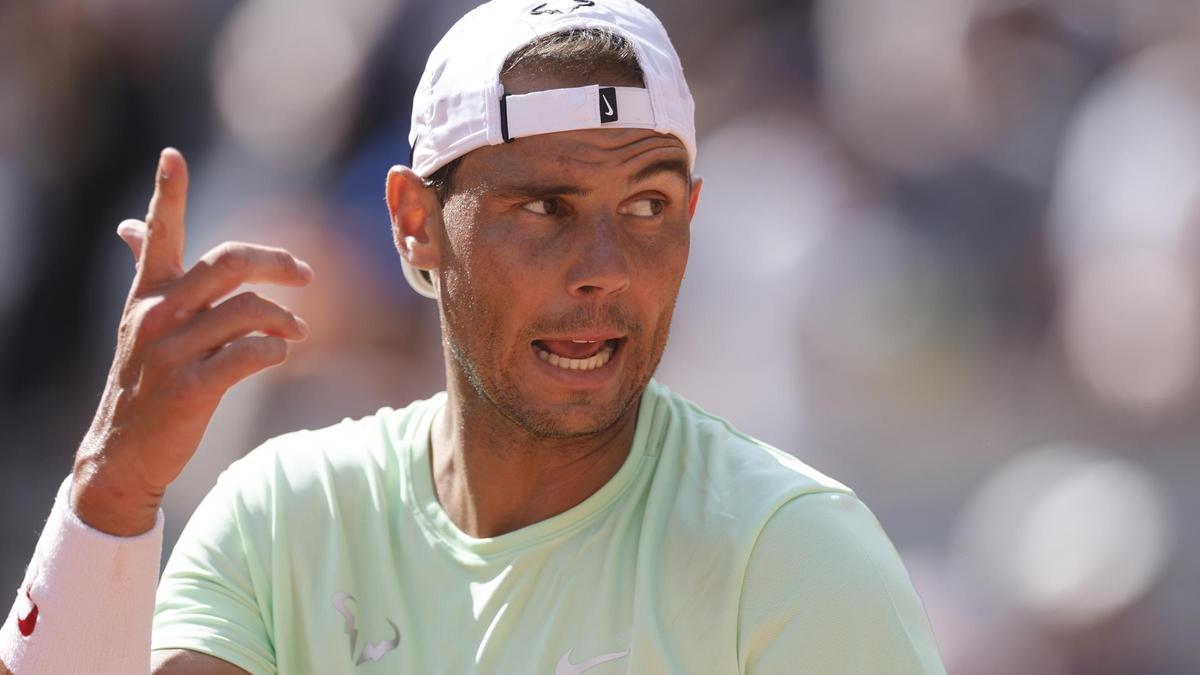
[87, 602]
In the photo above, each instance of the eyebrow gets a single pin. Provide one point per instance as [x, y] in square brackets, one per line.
[534, 190]
[676, 166]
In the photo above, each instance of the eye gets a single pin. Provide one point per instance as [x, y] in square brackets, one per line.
[542, 207]
[645, 208]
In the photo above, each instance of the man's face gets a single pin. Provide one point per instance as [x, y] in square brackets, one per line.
[561, 258]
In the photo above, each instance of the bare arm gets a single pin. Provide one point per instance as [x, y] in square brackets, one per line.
[180, 347]
[187, 662]
[179, 662]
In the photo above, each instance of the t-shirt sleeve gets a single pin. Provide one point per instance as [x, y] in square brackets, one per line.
[214, 594]
[825, 592]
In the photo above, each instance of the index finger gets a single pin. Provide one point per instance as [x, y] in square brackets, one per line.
[162, 251]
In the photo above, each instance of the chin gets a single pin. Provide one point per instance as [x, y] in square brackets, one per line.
[571, 419]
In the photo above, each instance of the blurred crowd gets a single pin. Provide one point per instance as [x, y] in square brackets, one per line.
[948, 252]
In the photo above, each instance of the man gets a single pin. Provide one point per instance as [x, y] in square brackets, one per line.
[555, 510]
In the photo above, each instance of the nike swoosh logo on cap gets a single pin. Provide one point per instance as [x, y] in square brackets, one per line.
[565, 667]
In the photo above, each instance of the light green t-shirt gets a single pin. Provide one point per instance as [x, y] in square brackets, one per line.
[708, 552]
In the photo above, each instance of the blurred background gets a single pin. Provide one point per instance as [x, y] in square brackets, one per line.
[948, 252]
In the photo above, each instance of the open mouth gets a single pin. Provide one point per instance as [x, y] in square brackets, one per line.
[576, 354]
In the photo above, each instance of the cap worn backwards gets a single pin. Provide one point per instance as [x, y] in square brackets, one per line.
[460, 104]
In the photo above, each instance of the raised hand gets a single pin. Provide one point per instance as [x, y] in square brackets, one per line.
[177, 354]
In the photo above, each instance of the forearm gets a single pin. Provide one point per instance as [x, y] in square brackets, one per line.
[87, 601]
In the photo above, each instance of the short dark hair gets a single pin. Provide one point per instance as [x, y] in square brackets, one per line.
[592, 53]
[589, 52]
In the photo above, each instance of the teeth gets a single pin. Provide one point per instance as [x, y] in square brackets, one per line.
[591, 363]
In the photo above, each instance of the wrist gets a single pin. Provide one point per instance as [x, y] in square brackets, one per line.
[105, 499]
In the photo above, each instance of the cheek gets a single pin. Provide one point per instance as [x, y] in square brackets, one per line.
[468, 309]
[474, 268]
[660, 266]
[662, 260]
[527, 265]
[486, 289]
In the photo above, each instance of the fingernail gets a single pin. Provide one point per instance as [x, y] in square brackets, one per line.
[306, 270]
[162, 165]
[303, 326]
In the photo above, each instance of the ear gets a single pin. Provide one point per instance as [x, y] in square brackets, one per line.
[697, 183]
[416, 218]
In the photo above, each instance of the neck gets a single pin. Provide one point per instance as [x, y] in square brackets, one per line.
[492, 476]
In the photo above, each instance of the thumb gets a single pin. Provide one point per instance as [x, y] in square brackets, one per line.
[133, 233]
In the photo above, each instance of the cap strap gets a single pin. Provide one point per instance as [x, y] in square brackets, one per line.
[590, 107]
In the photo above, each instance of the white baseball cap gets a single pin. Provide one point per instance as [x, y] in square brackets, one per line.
[460, 104]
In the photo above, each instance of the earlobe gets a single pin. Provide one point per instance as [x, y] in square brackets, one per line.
[415, 214]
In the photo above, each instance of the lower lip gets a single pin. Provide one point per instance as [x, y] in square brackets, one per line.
[583, 379]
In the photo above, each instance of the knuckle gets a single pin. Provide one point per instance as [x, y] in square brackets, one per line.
[231, 256]
[286, 262]
[157, 314]
[147, 318]
[154, 223]
[249, 305]
[268, 349]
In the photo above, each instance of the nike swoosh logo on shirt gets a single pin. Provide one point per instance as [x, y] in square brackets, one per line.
[565, 667]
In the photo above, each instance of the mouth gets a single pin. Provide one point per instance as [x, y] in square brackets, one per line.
[577, 353]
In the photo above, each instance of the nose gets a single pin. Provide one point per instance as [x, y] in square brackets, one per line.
[601, 265]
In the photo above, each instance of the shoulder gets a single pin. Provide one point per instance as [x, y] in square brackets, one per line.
[825, 584]
[715, 489]
[833, 535]
[358, 455]
[807, 574]
[707, 454]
